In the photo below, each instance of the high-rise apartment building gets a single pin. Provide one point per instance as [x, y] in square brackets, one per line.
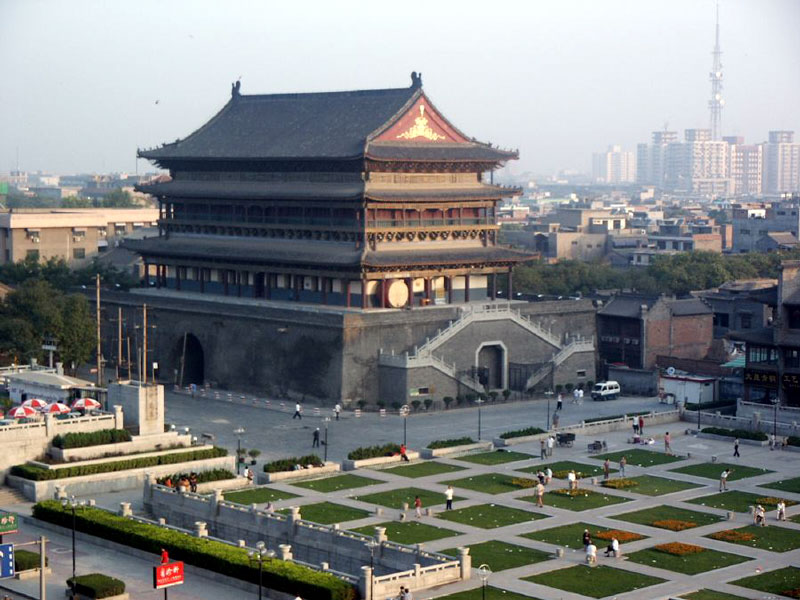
[651, 159]
[781, 163]
[746, 166]
[699, 165]
[614, 166]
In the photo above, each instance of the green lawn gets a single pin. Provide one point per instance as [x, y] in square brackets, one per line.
[328, 512]
[772, 582]
[395, 498]
[260, 495]
[689, 564]
[639, 457]
[571, 536]
[408, 532]
[711, 595]
[795, 519]
[584, 501]
[736, 501]
[713, 471]
[488, 483]
[785, 485]
[489, 516]
[423, 469]
[773, 538]
[595, 582]
[498, 457]
[649, 516]
[336, 483]
[650, 485]
[492, 593]
[561, 468]
[501, 555]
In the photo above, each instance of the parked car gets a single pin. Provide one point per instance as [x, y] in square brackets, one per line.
[605, 390]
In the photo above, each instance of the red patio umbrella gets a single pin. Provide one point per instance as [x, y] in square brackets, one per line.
[85, 404]
[21, 412]
[56, 408]
[36, 403]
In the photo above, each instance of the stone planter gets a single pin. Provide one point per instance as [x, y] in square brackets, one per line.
[352, 465]
[329, 467]
[437, 452]
[729, 439]
[137, 445]
[124, 596]
[31, 573]
[525, 439]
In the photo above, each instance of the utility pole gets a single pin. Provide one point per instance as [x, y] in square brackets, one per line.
[42, 569]
[99, 347]
[119, 339]
[144, 344]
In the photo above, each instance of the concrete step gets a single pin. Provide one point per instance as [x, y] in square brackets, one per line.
[10, 496]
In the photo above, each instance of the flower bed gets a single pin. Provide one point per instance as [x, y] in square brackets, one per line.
[743, 434]
[772, 501]
[568, 492]
[97, 585]
[619, 484]
[204, 477]
[679, 549]
[622, 536]
[91, 438]
[436, 444]
[521, 433]
[288, 464]
[35, 473]
[524, 483]
[674, 524]
[733, 535]
[374, 452]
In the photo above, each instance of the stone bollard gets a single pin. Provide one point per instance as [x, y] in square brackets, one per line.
[465, 561]
[402, 516]
[380, 534]
[594, 480]
[162, 521]
[405, 506]
[242, 544]
[294, 514]
[378, 511]
[285, 551]
[125, 509]
[559, 553]
[91, 502]
[200, 529]
[429, 512]
[419, 548]
[324, 566]
[731, 515]
[336, 526]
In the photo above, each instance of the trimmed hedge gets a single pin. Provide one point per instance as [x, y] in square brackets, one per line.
[521, 433]
[282, 576]
[288, 464]
[612, 417]
[450, 443]
[737, 433]
[25, 560]
[793, 440]
[97, 585]
[92, 438]
[204, 477]
[374, 451]
[709, 405]
[39, 474]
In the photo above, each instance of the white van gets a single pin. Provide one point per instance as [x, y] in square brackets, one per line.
[606, 390]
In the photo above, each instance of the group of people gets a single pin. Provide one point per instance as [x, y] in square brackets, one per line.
[760, 513]
[185, 483]
[591, 550]
[405, 594]
[546, 446]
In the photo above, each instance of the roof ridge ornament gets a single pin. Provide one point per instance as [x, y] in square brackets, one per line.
[235, 87]
[416, 79]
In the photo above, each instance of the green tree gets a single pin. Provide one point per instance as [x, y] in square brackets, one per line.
[18, 342]
[118, 199]
[37, 302]
[76, 202]
[77, 340]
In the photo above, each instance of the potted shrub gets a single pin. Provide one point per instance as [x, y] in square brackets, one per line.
[416, 404]
[240, 454]
[559, 387]
[397, 405]
[361, 404]
[493, 395]
[506, 394]
[568, 387]
[254, 454]
[381, 404]
[471, 397]
[428, 403]
[448, 400]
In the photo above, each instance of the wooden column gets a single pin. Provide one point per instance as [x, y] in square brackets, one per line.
[428, 290]
[177, 278]
[158, 276]
[268, 286]
[410, 286]
[225, 280]
[382, 292]
[510, 284]
[146, 274]
[449, 284]
[298, 281]
[201, 274]
[363, 293]
[239, 284]
[466, 288]
[323, 283]
[346, 284]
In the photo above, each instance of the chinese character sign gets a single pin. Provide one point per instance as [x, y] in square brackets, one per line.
[167, 575]
[8, 523]
[6, 560]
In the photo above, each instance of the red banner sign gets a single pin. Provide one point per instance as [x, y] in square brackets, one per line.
[167, 575]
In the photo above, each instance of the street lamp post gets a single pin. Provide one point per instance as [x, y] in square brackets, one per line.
[327, 420]
[775, 402]
[372, 544]
[484, 572]
[259, 554]
[549, 394]
[71, 504]
[404, 412]
[479, 401]
[239, 431]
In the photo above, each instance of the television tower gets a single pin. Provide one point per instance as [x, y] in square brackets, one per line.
[717, 102]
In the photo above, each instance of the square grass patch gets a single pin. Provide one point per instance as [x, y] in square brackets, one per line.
[688, 564]
[328, 512]
[562, 467]
[501, 555]
[585, 500]
[785, 485]
[409, 532]
[738, 501]
[636, 457]
[706, 594]
[649, 485]
[489, 516]
[488, 483]
[713, 471]
[260, 495]
[336, 483]
[595, 582]
[773, 582]
[498, 457]
[492, 593]
[795, 519]
[423, 469]
[661, 514]
[571, 536]
[772, 538]
[397, 497]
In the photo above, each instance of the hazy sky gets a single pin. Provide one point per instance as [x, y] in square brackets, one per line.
[85, 83]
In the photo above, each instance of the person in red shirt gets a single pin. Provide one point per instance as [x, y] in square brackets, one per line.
[418, 506]
[403, 454]
[164, 556]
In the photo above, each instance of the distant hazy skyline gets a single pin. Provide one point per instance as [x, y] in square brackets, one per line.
[85, 83]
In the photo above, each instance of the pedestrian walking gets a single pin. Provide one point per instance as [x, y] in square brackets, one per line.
[606, 469]
[193, 483]
[572, 478]
[580, 396]
[555, 420]
[667, 440]
[250, 475]
[315, 442]
[418, 506]
[591, 554]
[336, 410]
[540, 476]
[540, 495]
[736, 447]
[542, 449]
[403, 454]
[622, 462]
[641, 425]
[780, 509]
[723, 480]
[772, 442]
[448, 496]
[575, 396]
[559, 402]
[551, 442]
[298, 412]
[548, 475]
[760, 516]
[587, 538]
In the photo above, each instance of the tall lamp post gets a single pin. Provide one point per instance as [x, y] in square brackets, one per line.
[239, 431]
[484, 572]
[327, 420]
[259, 554]
[72, 504]
[775, 402]
[549, 394]
[479, 401]
[404, 414]
[372, 544]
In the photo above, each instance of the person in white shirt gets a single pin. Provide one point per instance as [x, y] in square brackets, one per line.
[591, 554]
[550, 444]
[580, 396]
[298, 412]
[573, 480]
[448, 496]
[548, 475]
[336, 410]
[613, 547]
[781, 510]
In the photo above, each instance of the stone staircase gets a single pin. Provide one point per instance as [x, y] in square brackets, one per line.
[9, 496]
[558, 358]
